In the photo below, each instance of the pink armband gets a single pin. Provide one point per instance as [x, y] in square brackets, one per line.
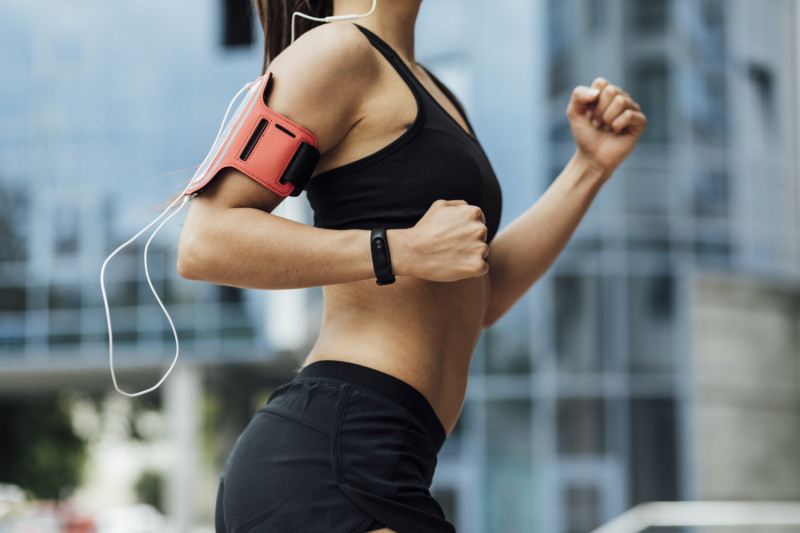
[262, 144]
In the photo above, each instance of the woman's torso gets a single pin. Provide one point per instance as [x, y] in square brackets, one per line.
[411, 147]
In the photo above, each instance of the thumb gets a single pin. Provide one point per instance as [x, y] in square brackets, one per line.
[445, 203]
[582, 96]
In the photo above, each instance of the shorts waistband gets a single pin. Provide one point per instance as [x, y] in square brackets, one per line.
[383, 384]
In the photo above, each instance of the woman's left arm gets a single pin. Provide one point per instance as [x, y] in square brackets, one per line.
[606, 123]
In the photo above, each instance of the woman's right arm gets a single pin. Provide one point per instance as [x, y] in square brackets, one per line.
[231, 238]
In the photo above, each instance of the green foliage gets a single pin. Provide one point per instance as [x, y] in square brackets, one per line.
[39, 450]
[150, 488]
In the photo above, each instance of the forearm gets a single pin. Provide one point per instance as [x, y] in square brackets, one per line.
[249, 248]
[526, 248]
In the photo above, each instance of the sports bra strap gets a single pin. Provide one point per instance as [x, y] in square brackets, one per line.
[398, 64]
[419, 90]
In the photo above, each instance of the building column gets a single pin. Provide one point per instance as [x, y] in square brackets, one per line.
[182, 408]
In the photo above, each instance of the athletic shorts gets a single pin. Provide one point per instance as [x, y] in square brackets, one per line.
[342, 448]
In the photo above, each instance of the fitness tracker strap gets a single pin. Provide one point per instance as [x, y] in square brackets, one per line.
[381, 262]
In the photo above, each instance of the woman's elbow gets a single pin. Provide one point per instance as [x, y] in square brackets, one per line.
[491, 316]
[488, 321]
[190, 262]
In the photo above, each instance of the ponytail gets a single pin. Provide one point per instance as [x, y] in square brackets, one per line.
[276, 22]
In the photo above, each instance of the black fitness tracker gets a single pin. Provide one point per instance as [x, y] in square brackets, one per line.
[381, 262]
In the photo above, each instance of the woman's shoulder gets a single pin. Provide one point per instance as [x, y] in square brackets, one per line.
[335, 52]
[319, 81]
[335, 37]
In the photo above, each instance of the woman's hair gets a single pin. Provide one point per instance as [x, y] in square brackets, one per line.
[276, 22]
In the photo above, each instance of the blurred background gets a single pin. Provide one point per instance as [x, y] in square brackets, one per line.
[659, 359]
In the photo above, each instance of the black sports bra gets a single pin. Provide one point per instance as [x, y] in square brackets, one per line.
[394, 187]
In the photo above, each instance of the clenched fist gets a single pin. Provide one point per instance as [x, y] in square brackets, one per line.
[606, 124]
[447, 244]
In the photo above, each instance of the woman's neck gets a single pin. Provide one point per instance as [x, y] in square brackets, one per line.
[393, 21]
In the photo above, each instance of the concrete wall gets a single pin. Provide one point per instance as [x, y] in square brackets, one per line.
[746, 389]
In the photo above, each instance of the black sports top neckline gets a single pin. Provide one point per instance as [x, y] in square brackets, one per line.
[435, 158]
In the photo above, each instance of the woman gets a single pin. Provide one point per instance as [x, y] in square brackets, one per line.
[350, 444]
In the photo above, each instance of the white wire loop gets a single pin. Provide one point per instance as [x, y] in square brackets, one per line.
[331, 18]
[183, 199]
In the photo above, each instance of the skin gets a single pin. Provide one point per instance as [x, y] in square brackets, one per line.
[450, 283]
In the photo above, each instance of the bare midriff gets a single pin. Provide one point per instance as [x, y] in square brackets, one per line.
[421, 332]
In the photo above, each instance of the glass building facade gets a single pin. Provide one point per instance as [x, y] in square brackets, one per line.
[578, 403]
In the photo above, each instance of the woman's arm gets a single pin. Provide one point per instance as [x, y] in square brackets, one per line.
[606, 123]
[230, 236]
[229, 239]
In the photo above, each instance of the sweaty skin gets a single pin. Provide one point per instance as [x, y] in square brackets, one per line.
[422, 329]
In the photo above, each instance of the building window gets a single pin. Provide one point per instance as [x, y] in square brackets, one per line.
[651, 309]
[581, 426]
[708, 109]
[560, 76]
[237, 23]
[13, 221]
[597, 12]
[559, 42]
[12, 299]
[763, 83]
[64, 297]
[713, 251]
[508, 427]
[67, 229]
[583, 508]
[560, 133]
[712, 15]
[578, 314]
[650, 85]
[711, 194]
[654, 463]
[507, 345]
[508, 490]
[649, 16]
[447, 497]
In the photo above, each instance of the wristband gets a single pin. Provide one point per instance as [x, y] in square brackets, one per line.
[381, 262]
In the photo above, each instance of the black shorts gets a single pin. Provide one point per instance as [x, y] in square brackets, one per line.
[341, 448]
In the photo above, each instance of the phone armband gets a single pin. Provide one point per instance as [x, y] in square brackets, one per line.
[262, 144]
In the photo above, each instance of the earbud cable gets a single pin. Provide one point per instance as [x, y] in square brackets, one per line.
[183, 199]
[331, 18]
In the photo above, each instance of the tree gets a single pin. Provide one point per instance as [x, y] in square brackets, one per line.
[39, 449]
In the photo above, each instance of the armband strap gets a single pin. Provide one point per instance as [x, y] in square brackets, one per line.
[263, 144]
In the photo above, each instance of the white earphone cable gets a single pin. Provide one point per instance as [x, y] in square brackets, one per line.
[185, 199]
[331, 18]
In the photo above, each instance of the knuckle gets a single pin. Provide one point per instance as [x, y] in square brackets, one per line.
[477, 266]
